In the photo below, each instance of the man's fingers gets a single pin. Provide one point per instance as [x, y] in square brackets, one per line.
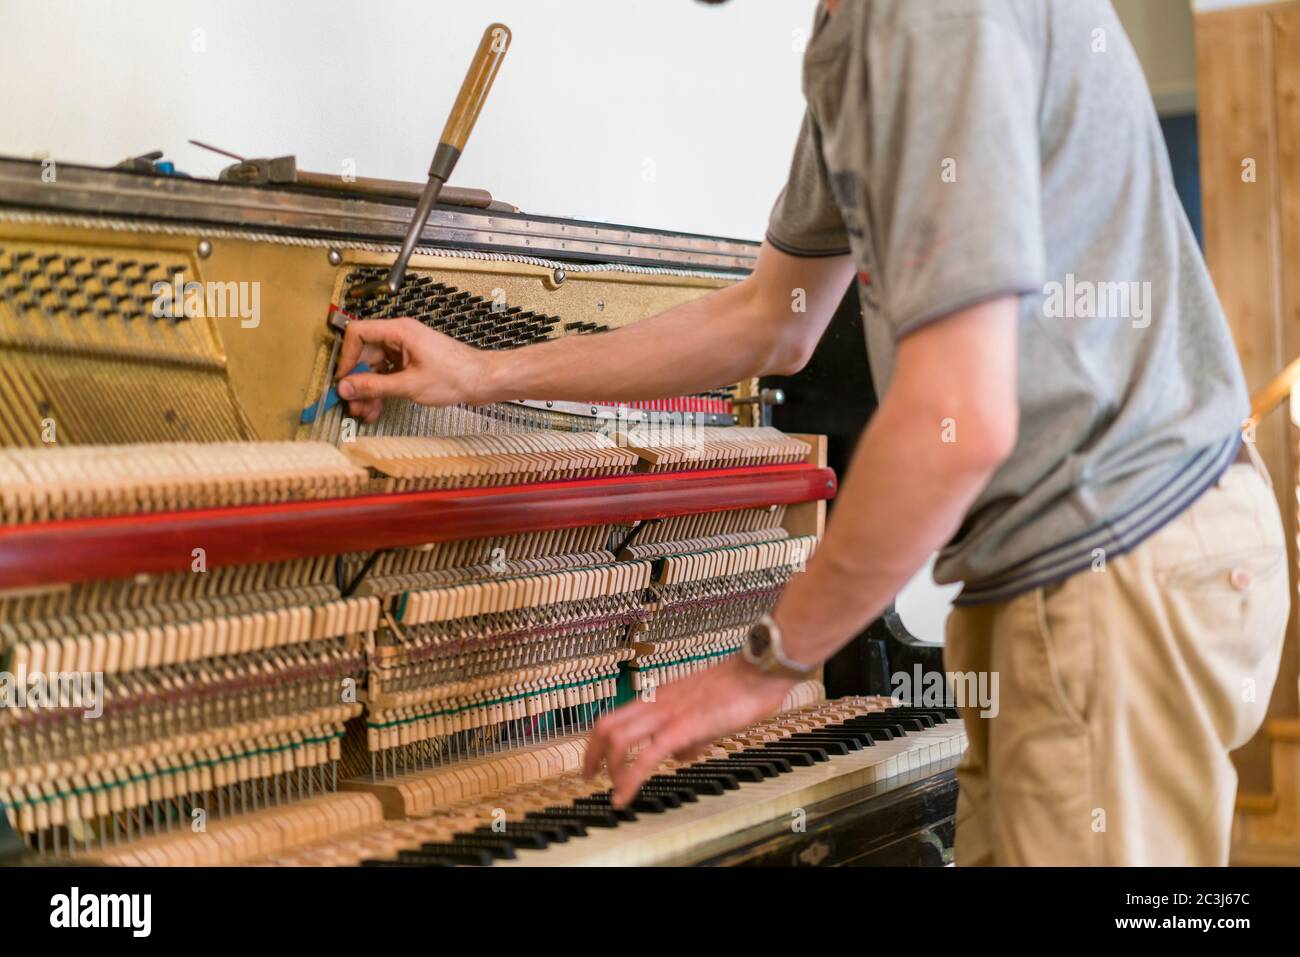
[609, 739]
[380, 335]
[366, 410]
[692, 753]
[374, 356]
[368, 385]
[617, 733]
[628, 779]
[619, 741]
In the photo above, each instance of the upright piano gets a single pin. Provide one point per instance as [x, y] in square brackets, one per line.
[238, 627]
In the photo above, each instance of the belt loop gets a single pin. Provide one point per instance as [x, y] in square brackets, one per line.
[1258, 462]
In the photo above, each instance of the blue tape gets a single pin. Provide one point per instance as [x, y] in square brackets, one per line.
[331, 397]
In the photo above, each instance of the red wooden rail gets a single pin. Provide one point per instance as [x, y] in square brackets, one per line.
[49, 553]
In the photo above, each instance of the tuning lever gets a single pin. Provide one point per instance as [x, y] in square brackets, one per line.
[464, 113]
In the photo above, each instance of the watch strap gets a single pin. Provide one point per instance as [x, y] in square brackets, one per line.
[773, 660]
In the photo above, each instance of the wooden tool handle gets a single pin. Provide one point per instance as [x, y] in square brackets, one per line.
[464, 113]
[478, 81]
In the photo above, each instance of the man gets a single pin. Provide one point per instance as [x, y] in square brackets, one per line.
[1059, 417]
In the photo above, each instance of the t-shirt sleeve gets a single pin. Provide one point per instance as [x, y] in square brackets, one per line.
[805, 220]
[953, 190]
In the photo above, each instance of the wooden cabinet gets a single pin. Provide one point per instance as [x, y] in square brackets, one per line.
[1248, 93]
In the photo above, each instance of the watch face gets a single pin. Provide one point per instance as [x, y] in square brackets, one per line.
[760, 641]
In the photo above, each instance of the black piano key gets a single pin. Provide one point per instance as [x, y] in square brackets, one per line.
[795, 758]
[666, 796]
[502, 849]
[926, 717]
[889, 729]
[814, 752]
[861, 735]
[443, 862]
[833, 745]
[695, 785]
[910, 724]
[650, 804]
[943, 715]
[570, 824]
[514, 834]
[552, 833]
[622, 813]
[678, 792]
[572, 821]
[852, 737]
[463, 857]
[585, 818]
[779, 764]
[765, 769]
[730, 777]
[498, 843]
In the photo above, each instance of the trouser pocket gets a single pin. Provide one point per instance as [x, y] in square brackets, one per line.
[1229, 601]
[1068, 643]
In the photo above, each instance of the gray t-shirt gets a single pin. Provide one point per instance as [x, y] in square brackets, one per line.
[964, 150]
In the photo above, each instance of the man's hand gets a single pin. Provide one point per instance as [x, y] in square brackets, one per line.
[415, 363]
[683, 717]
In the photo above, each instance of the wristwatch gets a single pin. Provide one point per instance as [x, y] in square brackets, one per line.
[763, 650]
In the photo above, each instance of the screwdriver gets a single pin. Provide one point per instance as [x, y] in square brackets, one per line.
[464, 114]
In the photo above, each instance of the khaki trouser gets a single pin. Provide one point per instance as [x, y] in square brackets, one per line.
[1121, 692]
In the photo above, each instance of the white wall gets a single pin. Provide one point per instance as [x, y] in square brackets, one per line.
[1164, 36]
[662, 113]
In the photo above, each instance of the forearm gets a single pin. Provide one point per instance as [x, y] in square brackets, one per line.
[904, 496]
[767, 323]
[700, 345]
